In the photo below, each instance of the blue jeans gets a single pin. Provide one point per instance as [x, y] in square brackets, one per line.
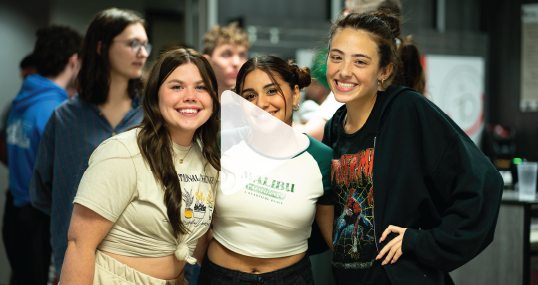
[299, 273]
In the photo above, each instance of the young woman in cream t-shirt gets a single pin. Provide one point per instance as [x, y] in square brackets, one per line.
[148, 194]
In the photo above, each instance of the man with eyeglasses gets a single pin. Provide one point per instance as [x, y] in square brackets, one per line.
[26, 230]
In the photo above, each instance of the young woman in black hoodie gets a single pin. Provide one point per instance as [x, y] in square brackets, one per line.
[429, 201]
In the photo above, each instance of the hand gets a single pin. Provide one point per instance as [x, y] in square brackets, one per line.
[394, 248]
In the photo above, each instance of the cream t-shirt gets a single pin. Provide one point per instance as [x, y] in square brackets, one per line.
[120, 186]
[272, 215]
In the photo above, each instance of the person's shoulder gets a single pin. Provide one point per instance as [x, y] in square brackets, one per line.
[129, 139]
[408, 100]
[319, 150]
[73, 104]
[119, 146]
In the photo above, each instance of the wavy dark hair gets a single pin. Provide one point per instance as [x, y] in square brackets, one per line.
[274, 66]
[93, 80]
[154, 136]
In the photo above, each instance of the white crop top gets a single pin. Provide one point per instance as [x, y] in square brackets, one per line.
[272, 216]
[119, 186]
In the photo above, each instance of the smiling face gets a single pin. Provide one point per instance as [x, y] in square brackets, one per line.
[123, 61]
[353, 68]
[226, 60]
[184, 102]
[262, 92]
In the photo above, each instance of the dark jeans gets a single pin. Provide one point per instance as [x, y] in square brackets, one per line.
[299, 273]
[26, 233]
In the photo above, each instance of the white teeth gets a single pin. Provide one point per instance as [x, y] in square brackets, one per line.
[345, 85]
[189, 111]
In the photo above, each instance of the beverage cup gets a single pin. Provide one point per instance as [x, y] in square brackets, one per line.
[526, 172]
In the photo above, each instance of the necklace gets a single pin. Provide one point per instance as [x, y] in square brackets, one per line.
[181, 159]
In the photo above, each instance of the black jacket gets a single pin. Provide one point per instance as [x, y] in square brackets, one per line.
[430, 178]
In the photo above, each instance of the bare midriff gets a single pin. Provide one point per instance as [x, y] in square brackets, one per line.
[226, 258]
[166, 267]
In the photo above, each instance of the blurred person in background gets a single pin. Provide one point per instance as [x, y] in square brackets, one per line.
[113, 54]
[316, 93]
[133, 220]
[411, 75]
[27, 67]
[27, 230]
[226, 48]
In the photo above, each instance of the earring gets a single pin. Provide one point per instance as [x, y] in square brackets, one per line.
[382, 81]
[298, 107]
[243, 119]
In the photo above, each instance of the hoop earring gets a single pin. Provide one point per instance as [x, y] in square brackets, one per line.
[298, 107]
[381, 82]
[243, 119]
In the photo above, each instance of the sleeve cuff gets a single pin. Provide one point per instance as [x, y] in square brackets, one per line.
[326, 200]
[409, 240]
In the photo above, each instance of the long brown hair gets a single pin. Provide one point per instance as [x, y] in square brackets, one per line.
[154, 137]
[93, 80]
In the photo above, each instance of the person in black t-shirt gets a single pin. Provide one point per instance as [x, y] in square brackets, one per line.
[414, 197]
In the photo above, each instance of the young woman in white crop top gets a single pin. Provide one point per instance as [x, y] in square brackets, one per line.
[147, 197]
[261, 231]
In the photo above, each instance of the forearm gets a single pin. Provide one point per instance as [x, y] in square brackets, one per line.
[79, 265]
[325, 218]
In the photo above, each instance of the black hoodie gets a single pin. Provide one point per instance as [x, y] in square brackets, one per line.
[432, 179]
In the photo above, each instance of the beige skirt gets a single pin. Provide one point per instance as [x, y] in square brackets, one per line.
[109, 271]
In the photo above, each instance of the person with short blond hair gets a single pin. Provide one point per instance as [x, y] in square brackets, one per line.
[226, 48]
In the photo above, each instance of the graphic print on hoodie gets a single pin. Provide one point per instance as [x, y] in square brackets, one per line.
[30, 111]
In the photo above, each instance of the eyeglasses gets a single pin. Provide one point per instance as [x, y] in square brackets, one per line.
[136, 46]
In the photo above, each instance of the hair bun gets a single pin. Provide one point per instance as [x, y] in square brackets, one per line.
[392, 19]
[302, 74]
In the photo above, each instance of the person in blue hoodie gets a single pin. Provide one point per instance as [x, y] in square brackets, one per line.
[27, 234]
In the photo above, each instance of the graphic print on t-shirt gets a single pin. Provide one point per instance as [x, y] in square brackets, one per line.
[267, 188]
[197, 205]
[353, 233]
